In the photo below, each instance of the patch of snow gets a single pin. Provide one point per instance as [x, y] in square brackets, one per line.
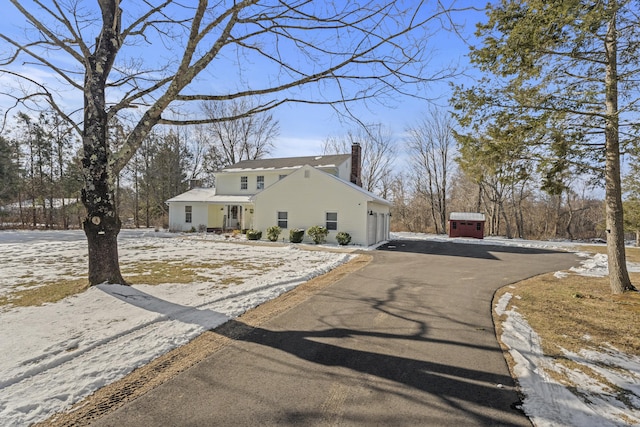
[594, 266]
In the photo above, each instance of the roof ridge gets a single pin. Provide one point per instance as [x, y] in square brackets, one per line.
[289, 162]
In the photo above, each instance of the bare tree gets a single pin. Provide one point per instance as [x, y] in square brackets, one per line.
[378, 154]
[248, 137]
[431, 146]
[330, 53]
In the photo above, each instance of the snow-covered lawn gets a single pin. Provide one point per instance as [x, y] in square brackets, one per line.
[54, 355]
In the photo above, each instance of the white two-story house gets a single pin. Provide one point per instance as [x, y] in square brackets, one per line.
[296, 192]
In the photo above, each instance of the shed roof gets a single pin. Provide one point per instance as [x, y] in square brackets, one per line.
[466, 216]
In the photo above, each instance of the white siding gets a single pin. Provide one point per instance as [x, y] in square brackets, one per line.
[199, 215]
[229, 182]
[307, 196]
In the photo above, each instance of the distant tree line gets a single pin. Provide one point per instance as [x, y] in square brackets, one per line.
[41, 177]
[448, 174]
[427, 174]
[41, 174]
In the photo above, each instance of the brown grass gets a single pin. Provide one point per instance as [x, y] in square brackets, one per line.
[47, 292]
[576, 312]
[32, 293]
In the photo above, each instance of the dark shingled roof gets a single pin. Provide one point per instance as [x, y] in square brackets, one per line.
[291, 162]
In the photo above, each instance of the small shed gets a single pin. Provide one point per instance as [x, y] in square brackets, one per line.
[466, 224]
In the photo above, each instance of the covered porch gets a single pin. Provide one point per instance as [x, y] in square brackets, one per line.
[224, 217]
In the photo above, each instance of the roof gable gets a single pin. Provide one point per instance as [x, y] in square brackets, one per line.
[299, 174]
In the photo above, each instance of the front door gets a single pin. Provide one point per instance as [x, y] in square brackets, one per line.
[234, 217]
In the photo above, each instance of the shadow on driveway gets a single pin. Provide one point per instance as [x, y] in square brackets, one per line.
[468, 250]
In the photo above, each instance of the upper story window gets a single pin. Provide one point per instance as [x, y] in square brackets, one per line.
[332, 220]
[188, 214]
[244, 182]
[260, 182]
[281, 176]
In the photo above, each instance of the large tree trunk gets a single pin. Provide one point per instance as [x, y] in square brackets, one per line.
[101, 224]
[618, 275]
[102, 238]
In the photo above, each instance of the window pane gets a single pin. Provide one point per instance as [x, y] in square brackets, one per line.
[244, 181]
[260, 182]
[331, 220]
[187, 214]
[282, 220]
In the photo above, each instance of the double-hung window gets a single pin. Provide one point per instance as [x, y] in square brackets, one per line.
[332, 220]
[260, 182]
[244, 183]
[283, 219]
[188, 214]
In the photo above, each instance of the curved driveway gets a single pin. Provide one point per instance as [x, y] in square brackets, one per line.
[406, 341]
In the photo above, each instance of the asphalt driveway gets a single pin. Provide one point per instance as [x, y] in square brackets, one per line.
[406, 341]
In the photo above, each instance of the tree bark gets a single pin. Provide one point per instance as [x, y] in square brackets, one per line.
[619, 280]
[101, 225]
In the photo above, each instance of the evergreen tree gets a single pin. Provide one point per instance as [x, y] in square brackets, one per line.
[164, 175]
[572, 63]
[9, 172]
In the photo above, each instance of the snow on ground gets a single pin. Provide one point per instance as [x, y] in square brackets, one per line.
[54, 355]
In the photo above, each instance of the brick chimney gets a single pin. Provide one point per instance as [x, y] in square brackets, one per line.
[194, 183]
[356, 164]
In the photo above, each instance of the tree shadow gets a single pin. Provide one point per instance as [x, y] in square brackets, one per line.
[334, 347]
[456, 386]
[208, 319]
[467, 250]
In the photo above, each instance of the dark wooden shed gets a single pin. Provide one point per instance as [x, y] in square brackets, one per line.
[466, 224]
